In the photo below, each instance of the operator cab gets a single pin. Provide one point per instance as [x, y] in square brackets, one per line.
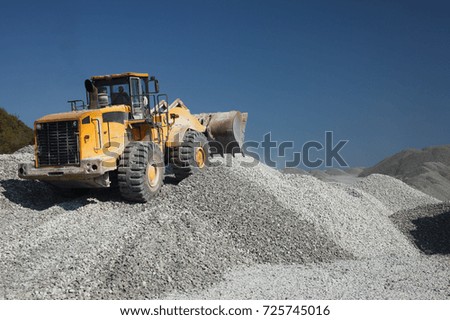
[130, 89]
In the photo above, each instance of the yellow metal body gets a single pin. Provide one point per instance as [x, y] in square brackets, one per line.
[105, 132]
[101, 133]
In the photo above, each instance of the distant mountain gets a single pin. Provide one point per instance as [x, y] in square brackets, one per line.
[427, 170]
[14, 134]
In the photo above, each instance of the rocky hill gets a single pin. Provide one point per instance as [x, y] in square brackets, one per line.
[14, 134]
[427, 170]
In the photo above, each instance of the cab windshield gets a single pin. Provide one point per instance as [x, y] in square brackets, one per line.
[117, 91]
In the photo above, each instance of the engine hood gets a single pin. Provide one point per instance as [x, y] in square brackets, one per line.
[77, 115]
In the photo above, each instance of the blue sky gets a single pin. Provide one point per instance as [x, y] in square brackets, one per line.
[374, 72]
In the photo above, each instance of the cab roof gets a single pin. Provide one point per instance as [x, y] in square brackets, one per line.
[120, 75]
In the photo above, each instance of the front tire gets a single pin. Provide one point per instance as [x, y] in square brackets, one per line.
[192, 156]
[141, 171]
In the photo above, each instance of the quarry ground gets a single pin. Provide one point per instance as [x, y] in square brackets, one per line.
[231, 232]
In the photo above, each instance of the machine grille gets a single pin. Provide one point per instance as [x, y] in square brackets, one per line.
[58, 143]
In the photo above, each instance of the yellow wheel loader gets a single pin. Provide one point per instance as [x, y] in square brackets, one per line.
[127, 134]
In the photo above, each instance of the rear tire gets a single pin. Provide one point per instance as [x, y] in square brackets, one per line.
[192, 156]
[141, 171]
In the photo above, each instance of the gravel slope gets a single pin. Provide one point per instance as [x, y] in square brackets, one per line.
[420, 278]
[193, 235]
[427, 226]
[393, 193]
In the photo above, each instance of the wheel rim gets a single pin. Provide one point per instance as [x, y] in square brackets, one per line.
[200, 157]
[152, 175]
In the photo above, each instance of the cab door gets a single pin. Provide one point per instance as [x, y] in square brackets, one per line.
[137, 98]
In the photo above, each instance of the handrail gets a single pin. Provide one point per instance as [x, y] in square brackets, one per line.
[99, 134]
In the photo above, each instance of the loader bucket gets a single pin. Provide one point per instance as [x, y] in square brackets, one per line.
[225, 130]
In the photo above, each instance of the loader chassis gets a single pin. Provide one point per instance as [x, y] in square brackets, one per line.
[85, 147]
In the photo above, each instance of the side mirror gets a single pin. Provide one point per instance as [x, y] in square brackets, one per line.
[89, 85]
[155, 84]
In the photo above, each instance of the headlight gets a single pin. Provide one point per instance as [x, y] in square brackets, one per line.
[38, 126]
[75, 124]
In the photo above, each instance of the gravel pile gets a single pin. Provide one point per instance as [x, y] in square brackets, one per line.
[9, 163]
[393, 193]
[357, 223]
[427, 170]
[291, 170]
[428, 227]
[99, 247]
[27, 149]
